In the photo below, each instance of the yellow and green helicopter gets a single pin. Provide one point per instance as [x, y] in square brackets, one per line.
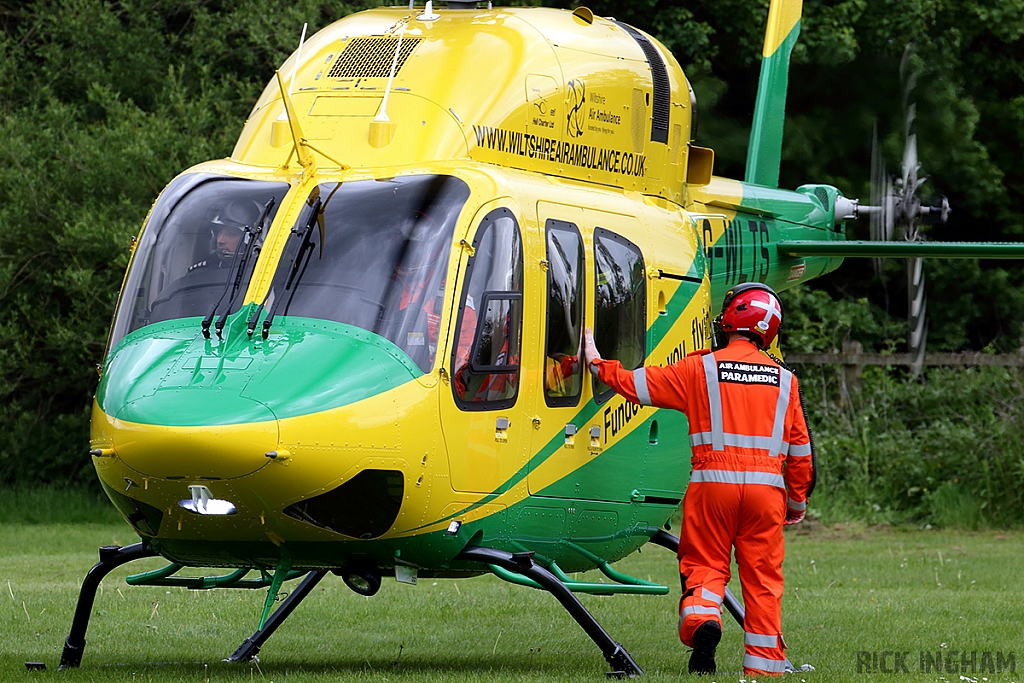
[353, 346]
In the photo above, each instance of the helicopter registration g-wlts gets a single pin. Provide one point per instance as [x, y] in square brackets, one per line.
[354, 345]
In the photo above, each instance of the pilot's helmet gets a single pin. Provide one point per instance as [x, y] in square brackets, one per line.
[236, 214]
[231, 218]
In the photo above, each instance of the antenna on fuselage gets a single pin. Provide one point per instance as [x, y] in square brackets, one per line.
[382, 115]
[381, 129]
[301, 148]
[428, 13]
[305, 157]
[298, 58]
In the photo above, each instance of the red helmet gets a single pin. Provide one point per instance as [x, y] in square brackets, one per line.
[754, 308]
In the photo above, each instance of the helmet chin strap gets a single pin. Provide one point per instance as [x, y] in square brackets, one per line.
[719, 337]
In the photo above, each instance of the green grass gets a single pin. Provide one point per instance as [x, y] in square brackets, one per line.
[51, 505]
[848, 589]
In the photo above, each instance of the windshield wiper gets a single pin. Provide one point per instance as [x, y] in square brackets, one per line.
[250, 245]
[295, 271]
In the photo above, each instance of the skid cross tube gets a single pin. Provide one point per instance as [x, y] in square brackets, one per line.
[251, 646]
[522, 563]
[667, 540]
[111, 557]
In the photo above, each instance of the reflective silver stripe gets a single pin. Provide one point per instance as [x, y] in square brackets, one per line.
[793, 505]
[640, 382]
[781, 408]
[734, 440]
[697, 609]
[593, 369]
[800, 451]
[732, 477]
[758, 640]
[710, 595]
[777, 666]
[714, 402]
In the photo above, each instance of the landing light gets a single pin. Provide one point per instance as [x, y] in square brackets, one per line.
[202, 502]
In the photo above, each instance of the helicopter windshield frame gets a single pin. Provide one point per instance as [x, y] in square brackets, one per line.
[186, 255]
[380, 262]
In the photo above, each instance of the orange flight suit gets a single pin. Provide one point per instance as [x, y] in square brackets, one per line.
[751, 459]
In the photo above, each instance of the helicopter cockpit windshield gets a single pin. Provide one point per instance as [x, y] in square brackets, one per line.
[202, 231]
[382, 263]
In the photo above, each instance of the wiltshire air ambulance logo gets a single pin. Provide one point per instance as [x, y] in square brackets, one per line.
[577, 97]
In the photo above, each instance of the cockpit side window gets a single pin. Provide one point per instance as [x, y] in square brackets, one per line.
[620, 306]
[485, 359]
[373, 254]
[199, 231]
[563, 371]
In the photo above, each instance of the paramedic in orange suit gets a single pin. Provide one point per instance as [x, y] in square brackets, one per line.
[752, 471]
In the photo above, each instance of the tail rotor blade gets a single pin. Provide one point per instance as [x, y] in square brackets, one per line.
[910, 204]
[878, 196]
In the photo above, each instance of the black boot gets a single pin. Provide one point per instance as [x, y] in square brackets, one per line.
[705, 640]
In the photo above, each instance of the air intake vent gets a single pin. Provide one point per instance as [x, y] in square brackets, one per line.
[363, 507]
[662, 88]
[372, 57]
[822, 194]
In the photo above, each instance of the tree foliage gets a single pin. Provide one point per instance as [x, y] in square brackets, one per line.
[102, 103]
[945, 449]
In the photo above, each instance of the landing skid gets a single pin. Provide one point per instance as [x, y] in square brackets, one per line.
[248, 650]
[522, 563]
[111, 557]
[735, 607]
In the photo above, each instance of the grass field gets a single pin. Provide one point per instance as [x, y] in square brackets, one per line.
[849, 590]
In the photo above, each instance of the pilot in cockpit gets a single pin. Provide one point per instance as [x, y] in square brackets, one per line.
[228, 223]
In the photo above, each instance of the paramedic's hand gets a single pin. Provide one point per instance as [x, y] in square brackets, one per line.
[794, 516]
[590, 349]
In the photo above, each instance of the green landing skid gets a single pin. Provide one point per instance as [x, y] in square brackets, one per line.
[624, 584]
[281, 574]
[165, 577]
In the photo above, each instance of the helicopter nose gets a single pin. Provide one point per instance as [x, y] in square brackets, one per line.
[182, 406]
[154, 438]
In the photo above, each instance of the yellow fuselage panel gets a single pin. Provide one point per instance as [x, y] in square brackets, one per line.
[553, 95]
